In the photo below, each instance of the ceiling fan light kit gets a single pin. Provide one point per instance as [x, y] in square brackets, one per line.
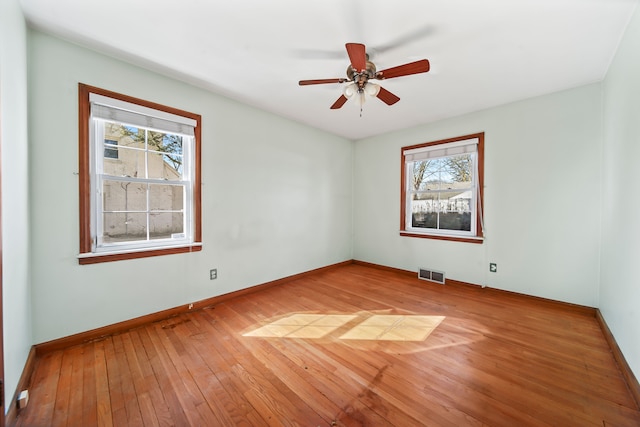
[361, 71]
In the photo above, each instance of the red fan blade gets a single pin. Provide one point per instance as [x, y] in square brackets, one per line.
[357, 56]
[417, 67]
[339, 103]
[387, 97]
[320, 81]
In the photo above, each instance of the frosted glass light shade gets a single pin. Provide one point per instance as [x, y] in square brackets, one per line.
[372, 89]
[350, 90]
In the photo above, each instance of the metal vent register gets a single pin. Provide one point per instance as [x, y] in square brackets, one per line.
[431, 275]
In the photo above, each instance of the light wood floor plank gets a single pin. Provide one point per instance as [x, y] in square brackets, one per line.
[45, 381]
[104, 412]
[63, 391]
[89, 396]
[128, 393]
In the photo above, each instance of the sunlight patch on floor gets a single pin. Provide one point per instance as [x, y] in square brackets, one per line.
[394, 328]
[302, 326]
[378, 327]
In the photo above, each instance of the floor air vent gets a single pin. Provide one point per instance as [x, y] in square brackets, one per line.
[431, 275]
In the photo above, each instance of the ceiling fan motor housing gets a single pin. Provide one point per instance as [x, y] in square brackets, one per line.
[361, 78]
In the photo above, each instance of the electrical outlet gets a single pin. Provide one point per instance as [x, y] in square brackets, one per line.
[493, 267]
[213, 274]
[23, 399]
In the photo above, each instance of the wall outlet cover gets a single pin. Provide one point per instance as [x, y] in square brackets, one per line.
[23, 399]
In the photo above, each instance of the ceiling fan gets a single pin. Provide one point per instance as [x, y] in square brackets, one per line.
[361, 71]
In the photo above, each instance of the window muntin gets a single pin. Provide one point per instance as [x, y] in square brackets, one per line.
[442, 188]
[145, 199]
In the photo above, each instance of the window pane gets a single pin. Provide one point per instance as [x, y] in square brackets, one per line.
[130, 150]
[165, 224]
[163, 166]
[124, 196]
[130, 137]
[442, 174]
[121, 227]
[113, 131]
[127, 163]
[165, 156]
[166, 197]
[424, 211]
[437, 214]
[425, 174]
[455, 221]
[458, 170]
[437, 177]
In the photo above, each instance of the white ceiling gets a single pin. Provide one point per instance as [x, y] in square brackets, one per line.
[483, 53]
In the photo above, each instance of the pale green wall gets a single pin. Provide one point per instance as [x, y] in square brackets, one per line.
[276, 197]
[542, 198]
[620, 279]
[16, 308]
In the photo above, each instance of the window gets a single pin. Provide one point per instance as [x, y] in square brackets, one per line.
[139, 178]
[442, 185]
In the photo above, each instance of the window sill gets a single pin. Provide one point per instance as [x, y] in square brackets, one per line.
[478, 239]
[95, 258]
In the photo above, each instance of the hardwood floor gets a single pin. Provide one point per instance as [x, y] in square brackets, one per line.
[495, 359]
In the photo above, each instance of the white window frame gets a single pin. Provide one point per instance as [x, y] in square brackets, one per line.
[468, 144]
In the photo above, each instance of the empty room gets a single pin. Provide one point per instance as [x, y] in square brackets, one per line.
[337, 213]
